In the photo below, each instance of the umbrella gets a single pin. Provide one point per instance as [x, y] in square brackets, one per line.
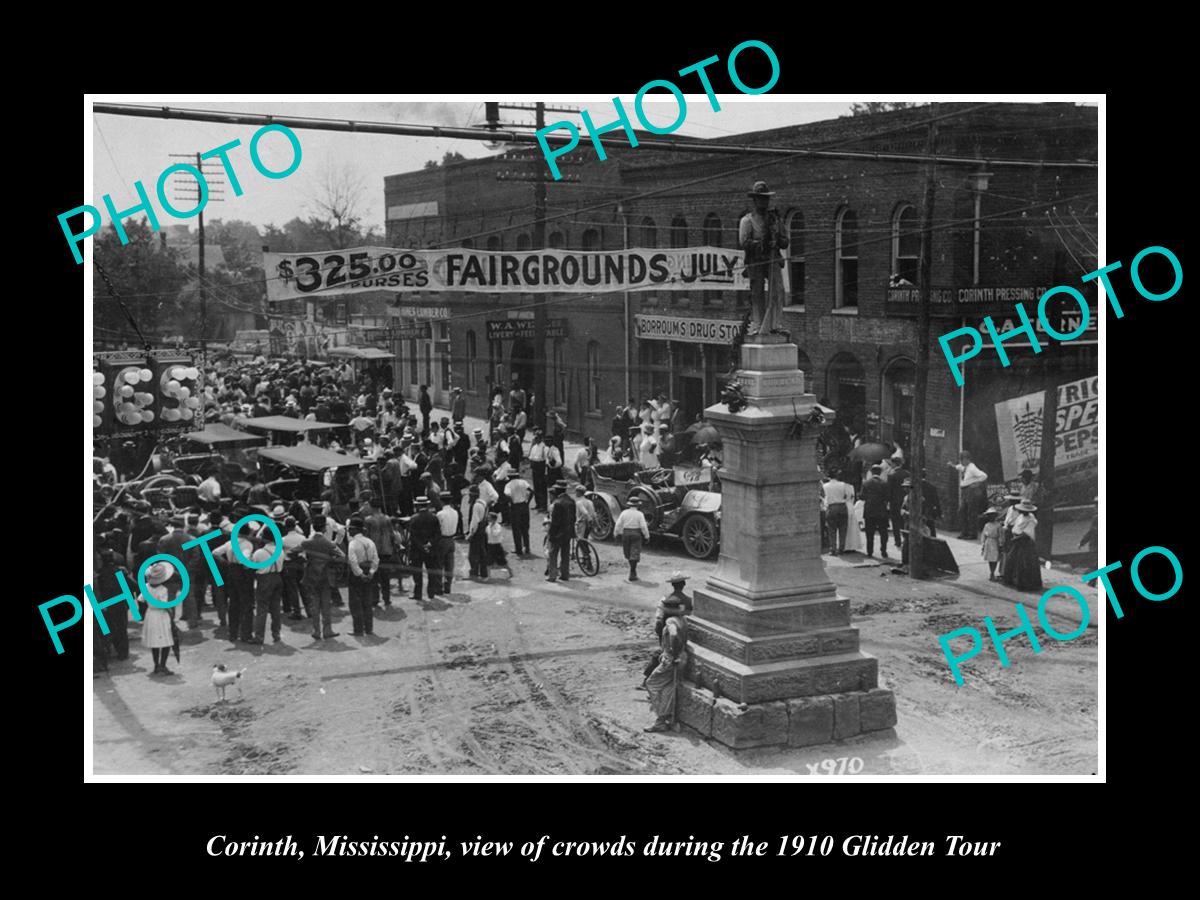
[175, 635]
[706, 434]
[871, 453]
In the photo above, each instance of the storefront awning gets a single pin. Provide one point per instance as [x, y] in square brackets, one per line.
[367, 353]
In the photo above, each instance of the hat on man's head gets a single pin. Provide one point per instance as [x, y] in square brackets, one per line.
[560, 486]
[634, 501]
[760, 190]
[445, 495]
[357, 522]
[421, 502]
[580, 490]
[177, 521]
[677, 577]
[1026, 507]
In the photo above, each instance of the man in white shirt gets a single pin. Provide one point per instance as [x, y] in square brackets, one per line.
[209, 492]
[268, 588]
[363, 559]
[972, 495]
[585, 513]
[519, 492]
[839, 497]
[294, 603]
[537, 463]
[631, 527]
[447, 518]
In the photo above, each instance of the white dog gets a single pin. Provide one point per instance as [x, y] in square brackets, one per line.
[221, 679]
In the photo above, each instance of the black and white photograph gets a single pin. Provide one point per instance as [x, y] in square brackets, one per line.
[741, 435]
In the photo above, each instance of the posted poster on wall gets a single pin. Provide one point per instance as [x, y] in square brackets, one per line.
[293, 276]
[1076, 432]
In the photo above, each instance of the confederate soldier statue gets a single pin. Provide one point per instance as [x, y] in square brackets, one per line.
[761, 236]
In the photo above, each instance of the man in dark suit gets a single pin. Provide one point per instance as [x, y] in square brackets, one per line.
[319, 579]
[424, 532]
[875, 510]
[896, 494]
[562, 529]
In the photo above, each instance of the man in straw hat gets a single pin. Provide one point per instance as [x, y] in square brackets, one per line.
[663, 683]
[760, 235]
[632, 528]
[676, 581]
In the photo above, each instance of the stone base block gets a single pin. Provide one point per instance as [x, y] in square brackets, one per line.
[810, 721]
[740, 726]
[775, 647]
[877, 710]
[695, 707]
[800, 722]
[759, 682]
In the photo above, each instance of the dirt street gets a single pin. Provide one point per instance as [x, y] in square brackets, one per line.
[525, 677]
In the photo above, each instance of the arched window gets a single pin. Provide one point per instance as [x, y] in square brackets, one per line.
[591, 239]
[845, 240]
[493, 242]
[712, 230]
[906, 247]
[649, 236]
[896, 401]
[471, 354]
[522, 242]
[556, 240]
[593, 369]
[795, 252]
[467, 242]
[679, 232]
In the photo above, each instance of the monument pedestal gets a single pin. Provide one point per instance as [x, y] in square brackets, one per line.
[773, 656]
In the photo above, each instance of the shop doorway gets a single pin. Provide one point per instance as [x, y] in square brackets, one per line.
[896, 401]
[691, 397]
[522, 363]
[847, 388]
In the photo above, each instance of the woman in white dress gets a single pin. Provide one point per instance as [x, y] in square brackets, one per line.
[156, 624]
[854, 538]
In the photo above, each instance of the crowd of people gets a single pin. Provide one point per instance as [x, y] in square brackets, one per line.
[418, 487]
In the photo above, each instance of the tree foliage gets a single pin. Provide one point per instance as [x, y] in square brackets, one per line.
[451, 156]
[147, 275]
[869, 109]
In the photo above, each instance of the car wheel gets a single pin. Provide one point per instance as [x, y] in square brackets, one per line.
[603, 528]
[699, 536]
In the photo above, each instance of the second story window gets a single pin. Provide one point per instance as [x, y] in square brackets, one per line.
[846, 256]
[906, 247]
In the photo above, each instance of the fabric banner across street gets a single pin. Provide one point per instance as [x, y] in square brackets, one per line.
[1077, 432]
[292, 276]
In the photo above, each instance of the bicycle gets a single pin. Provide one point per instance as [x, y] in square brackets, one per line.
[582, 552]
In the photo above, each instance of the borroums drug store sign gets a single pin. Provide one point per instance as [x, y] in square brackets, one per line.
[699, 331]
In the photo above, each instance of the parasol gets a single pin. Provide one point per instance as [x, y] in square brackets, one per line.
[706, 434]
[871, 453]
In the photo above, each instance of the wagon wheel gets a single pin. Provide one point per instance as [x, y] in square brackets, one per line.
[603, 528]
[699, 536]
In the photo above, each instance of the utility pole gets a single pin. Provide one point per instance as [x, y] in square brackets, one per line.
[183, 192]
[916, 518]
[539, 310]
[1045, 475]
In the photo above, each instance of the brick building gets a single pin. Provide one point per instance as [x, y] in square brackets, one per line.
[1001, 234]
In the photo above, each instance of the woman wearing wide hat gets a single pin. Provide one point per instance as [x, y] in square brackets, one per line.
[1021, 568]
[157, 623]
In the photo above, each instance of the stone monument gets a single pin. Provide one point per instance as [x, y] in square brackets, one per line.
[773, 656]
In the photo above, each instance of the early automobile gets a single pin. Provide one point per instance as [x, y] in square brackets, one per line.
[683, 502]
